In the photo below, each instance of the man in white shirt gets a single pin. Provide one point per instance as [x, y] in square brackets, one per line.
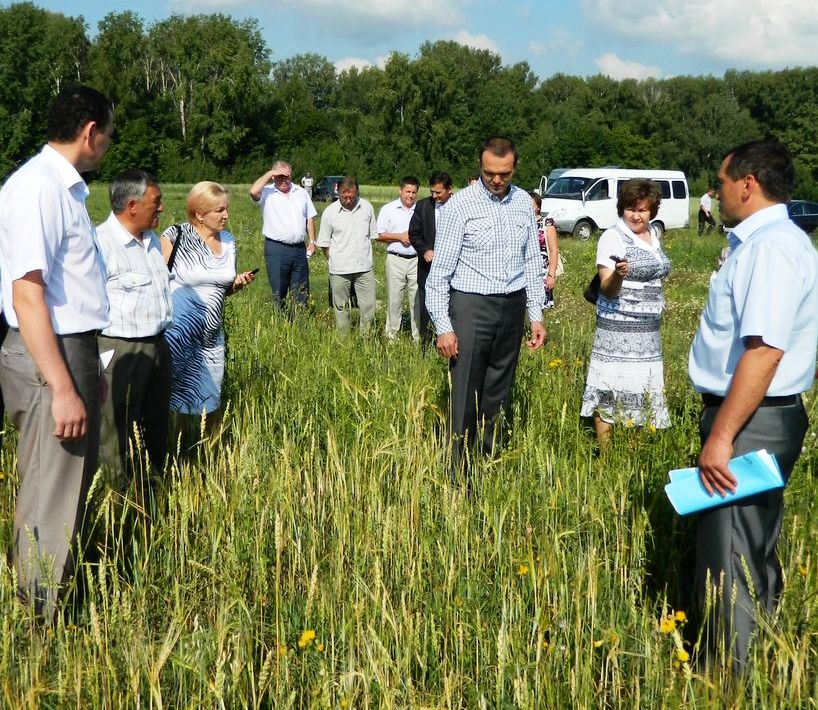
[54, 297]
[306, 183]
[132, 348]
[347, 230]
[288, 216]
[401, 257]
[706, 212]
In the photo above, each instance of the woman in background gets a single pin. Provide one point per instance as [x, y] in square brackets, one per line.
[625, 381]
[549, 248]
[201, 256]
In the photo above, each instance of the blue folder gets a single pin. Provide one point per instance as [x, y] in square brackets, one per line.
[755, 472]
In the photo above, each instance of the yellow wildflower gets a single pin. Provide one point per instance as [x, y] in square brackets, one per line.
[680, 616]
[682, 656]
[522, 570]
[344, 703]
[598, 643]
[651, 428]
[803, 570]
[307, 638]
[629, 423]
[613, 637]
[319, 647]
[555, 363]
[282, 650]
[667, 625]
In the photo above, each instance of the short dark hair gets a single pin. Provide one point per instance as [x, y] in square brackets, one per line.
[127, 186]
[636, 189]
[347, 182]
[439, 177]
[500, 147]
[73, 108]
[769, 162]
[537, 198]
[409, 180]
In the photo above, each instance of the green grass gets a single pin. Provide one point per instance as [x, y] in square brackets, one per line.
[326, 507]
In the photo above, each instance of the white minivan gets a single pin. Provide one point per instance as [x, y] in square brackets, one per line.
[582, 200]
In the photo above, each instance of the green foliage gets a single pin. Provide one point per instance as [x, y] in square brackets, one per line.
[315, 555]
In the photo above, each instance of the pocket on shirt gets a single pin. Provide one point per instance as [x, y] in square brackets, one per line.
[481, 232]
[134, 279]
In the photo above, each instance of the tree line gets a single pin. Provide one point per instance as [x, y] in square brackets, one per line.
[200, 97]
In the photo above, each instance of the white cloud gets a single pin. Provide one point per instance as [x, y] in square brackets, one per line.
[351, 62]
[389, 15]
[536, 47]
[764, 33]
[381, 61]
[475, 41]
[616, 68]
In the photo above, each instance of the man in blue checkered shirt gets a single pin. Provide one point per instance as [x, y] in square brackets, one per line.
[487, 272]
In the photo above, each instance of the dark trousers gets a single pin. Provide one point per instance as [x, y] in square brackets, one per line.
[489, 331]
[738, 540]
[287, 271]
[138, 377]
[708, 219]
[427, 330]
[54, 475]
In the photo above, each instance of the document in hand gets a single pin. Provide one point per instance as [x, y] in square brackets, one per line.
[756, 472]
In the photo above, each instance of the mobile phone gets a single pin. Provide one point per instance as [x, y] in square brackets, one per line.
[255, 271]
[617, 259]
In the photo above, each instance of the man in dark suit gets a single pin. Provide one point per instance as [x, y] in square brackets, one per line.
[422, 229]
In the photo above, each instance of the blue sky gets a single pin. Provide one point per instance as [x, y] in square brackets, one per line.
[619, 38]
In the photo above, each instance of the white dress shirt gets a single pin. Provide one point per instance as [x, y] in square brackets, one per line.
[137, 281]
[285, 214]
[394, 218]
[46, 227]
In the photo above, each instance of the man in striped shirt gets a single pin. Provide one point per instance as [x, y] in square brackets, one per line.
[132, 348]
[486, 274]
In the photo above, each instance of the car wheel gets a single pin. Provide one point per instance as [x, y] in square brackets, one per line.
[659, 228]
[583, 230]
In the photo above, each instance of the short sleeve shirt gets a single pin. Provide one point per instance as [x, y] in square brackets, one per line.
[285, 214]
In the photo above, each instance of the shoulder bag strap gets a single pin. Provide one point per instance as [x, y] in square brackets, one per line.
[178, 229]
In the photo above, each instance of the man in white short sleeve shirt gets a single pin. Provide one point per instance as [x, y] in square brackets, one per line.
[54, 298]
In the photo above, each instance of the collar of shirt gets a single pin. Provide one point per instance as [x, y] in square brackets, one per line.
[67, 172]
[125, 236]
[491, 196]
[746, 228]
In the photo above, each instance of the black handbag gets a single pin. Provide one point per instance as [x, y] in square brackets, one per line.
[591, 292]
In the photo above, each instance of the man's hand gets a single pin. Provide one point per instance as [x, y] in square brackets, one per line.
[311, 249]
[428, 255]
[538, 335]
[713, 469]
[447, 345]
[404, 239]
[69, 415]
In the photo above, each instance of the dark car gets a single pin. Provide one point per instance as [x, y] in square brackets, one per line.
[327, 188]
[804, 214]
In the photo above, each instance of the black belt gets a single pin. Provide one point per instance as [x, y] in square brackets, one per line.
[146, 339]
[289, 244]
[403, 256]
[714, 400]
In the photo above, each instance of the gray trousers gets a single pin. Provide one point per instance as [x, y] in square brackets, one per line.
[401, 277]
[54, 475]
[138, 377]
[341, 286]
[489, 331]
[737, 568]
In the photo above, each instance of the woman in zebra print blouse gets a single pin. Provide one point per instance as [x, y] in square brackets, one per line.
[201, 256]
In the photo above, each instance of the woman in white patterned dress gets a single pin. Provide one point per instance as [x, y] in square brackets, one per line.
[625, 381]
[201, 255]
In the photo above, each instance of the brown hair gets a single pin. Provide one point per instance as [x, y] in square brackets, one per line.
[638, 189]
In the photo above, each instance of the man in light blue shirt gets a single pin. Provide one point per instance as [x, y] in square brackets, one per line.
[486, 273]
[752, 357]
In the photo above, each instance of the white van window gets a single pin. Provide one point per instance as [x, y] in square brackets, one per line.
[679, 190]
[664, 186]
[598, 191]
[569, 188]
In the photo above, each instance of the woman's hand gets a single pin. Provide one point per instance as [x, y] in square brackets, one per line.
[244, 278]
[550, 282]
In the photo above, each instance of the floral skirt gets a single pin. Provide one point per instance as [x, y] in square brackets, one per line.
[626, 382]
